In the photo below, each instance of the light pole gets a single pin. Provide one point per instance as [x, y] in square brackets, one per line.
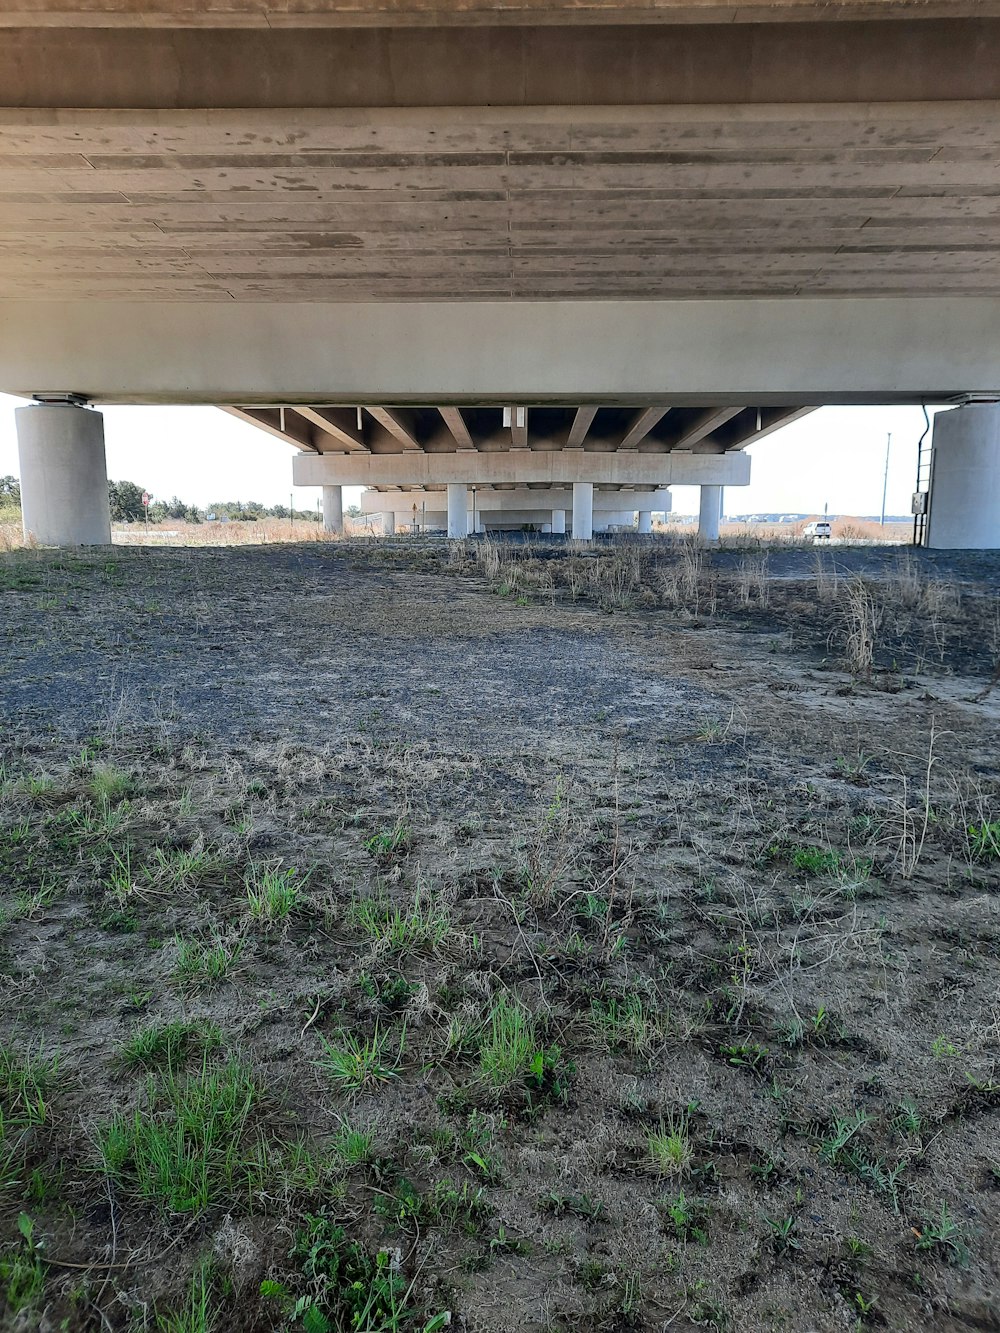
[473, 511]
[885, 477]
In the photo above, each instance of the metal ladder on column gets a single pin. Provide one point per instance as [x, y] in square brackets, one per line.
[922, 493]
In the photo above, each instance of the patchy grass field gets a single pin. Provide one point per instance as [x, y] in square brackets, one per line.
[401, 938]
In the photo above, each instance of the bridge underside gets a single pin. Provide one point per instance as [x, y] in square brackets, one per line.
[679, 221]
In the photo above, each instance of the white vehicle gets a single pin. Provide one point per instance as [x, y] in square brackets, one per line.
[821, 530]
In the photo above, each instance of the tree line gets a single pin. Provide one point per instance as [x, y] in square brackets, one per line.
[125, 498]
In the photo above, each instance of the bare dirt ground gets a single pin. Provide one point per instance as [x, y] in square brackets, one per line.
[395, 937]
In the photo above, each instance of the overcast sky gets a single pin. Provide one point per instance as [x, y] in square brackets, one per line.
[834, 457]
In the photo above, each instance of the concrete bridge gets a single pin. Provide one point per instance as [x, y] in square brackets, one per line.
[674, 214]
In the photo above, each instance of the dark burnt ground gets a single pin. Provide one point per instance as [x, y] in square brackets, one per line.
[742, 904]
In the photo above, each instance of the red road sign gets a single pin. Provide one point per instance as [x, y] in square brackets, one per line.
[146, 497]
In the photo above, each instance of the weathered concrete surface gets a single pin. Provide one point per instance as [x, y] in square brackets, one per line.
[488, 204]
[318, 13]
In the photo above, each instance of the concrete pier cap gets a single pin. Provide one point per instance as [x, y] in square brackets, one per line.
[64, 474]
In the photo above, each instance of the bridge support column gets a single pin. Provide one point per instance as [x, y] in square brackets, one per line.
[559, 522]
[965, 479]
[710, 513]
[333, 509]
[458, 509]
[583, 510]
[645, 520]
[388, 524]
[64, 475]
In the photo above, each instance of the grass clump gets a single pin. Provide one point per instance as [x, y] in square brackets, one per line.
[272, 893]
[353, 1062]
[422, 925]
[109, 785]
[354, 1145]
[627, 1023]
[669, 1146]
[186, 1148]
[205, 962]
[168, 1045]
[509, 1043]
[387, 844]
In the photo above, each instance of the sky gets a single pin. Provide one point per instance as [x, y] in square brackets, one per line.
[833, 457]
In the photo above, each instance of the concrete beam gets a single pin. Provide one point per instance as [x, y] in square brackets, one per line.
[288, 427]
[339, 422]
[581, 425]
[560, 467]
[781, 352]
[641, 426]
[522, 64]
[453, 419]
[443, 13]
[520, 498]
[398, 422]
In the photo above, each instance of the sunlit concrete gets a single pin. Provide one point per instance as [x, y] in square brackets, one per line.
[64, 476]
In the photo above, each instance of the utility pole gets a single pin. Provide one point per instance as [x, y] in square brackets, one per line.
[885, 477]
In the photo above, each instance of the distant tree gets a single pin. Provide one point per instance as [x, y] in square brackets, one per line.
[279, 511]
[10, 489]
[126, 502]
[353, 511]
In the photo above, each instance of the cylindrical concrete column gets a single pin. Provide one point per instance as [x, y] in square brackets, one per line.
[583, 510]
[965, 479]
[333, 509]
[558, 522]
[64, 475]
[710, 513]
[645, 520]
[388, 524]
[458, 509]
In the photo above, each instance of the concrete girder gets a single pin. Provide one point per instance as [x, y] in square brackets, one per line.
[453, 419]
[522, 467]
[520, 498]
[775, 353]
[387, 13]
[511, 65]
[643, 423]
[398, 422]
[582, 421]
[700, 430]
[283, 425]
[341, 423]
